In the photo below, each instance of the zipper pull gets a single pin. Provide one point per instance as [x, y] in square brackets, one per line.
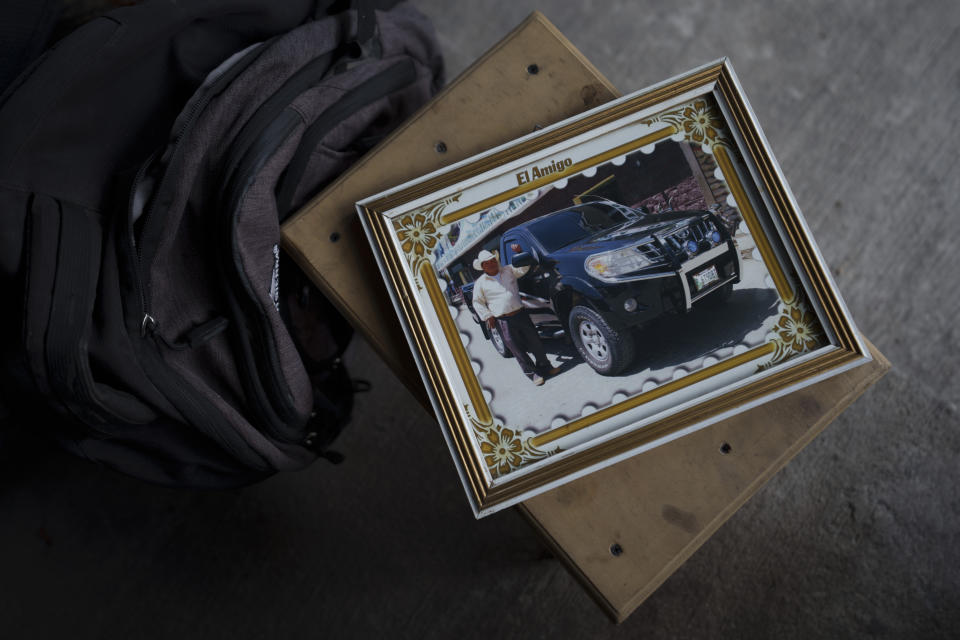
[148, 326]
[193, 338]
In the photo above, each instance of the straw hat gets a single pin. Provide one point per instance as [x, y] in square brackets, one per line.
[483, 256]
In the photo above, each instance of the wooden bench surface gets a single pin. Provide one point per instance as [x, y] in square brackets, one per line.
[623, 530]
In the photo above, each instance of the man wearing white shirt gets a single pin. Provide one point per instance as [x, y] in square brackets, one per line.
[496, 299]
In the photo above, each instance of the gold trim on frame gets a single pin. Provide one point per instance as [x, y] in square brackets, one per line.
[783, 207]
[694, 81]
[660, 391]
[572, 170]
[486, 486]
[780, 280]
[452, 336]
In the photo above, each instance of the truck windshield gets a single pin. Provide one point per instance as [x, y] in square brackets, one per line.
[566, 227]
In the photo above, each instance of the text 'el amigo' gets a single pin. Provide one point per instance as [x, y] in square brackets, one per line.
[555, 166]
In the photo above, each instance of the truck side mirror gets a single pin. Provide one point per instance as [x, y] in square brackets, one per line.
[522, 259]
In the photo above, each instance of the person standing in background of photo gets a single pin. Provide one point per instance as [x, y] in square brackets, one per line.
[496, 299]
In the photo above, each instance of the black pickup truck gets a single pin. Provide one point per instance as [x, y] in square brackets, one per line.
[599, 270]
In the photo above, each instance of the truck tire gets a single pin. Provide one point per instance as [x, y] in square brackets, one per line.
[497, 341]
[607, 350]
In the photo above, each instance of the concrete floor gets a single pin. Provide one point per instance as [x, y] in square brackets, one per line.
[858, 537]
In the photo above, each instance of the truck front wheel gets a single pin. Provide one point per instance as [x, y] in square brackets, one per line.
[607, 350]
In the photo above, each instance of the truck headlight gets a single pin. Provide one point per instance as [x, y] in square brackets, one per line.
[611, 265]
[713, 233]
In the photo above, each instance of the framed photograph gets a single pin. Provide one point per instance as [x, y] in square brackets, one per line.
[607, 284]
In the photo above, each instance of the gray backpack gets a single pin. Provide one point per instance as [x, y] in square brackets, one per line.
[146, 163]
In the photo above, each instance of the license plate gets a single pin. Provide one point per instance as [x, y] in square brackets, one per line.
[705, 278]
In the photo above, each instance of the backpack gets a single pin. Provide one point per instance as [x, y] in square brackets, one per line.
[146, 163]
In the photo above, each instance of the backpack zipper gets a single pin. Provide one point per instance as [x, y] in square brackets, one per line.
[384, 83]
[132, 244]
[268, 395]
[308, 75]
[149, 228]
[194, 408]
[258, 140]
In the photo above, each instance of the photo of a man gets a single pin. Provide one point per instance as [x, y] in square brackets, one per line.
[496, 299]
[609, 284]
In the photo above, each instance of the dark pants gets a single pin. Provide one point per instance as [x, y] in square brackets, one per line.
[521, 336]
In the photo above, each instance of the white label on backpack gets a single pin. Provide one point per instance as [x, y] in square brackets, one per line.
[275, 280]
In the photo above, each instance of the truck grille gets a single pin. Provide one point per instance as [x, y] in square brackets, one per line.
[697, 231]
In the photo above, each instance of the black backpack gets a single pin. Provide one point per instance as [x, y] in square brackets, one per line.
[146, 163]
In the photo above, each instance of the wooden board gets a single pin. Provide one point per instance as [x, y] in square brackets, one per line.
[659, 506]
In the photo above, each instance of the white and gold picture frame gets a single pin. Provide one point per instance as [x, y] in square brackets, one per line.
[607, 284]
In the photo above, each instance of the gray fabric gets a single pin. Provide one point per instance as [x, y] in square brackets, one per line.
[145, 189]
[186, 286]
